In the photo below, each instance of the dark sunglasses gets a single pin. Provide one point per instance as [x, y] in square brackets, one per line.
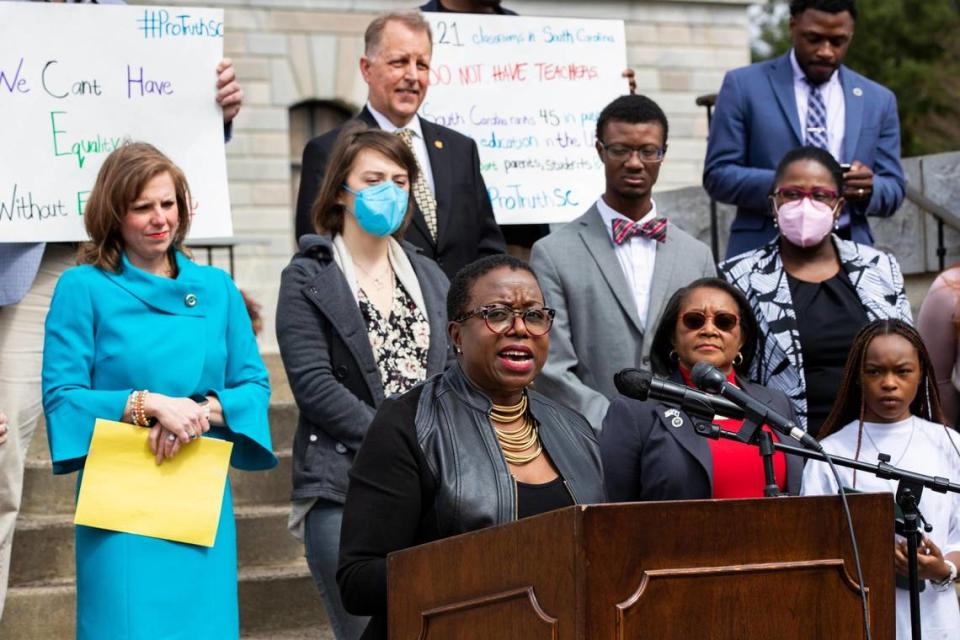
[694, 320]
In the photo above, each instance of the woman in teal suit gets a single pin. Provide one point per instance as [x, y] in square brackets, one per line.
[140, 333]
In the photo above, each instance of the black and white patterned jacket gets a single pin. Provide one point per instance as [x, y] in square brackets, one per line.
[760, 275]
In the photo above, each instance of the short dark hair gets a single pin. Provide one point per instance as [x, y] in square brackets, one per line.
[829, 6]
[662, 345]
[458, 296]
[633, 109]
[814, 154]
[327, 212]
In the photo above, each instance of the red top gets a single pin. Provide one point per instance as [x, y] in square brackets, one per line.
[738, 467]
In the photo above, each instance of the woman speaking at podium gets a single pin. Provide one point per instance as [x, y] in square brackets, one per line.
[650, 450]
[470, 448]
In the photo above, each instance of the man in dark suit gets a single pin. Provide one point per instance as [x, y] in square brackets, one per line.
[453, 222]
[806, 97]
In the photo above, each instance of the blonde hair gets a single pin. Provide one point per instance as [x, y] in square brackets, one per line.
[412, 19]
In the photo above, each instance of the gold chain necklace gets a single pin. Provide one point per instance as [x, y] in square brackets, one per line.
[514, 442]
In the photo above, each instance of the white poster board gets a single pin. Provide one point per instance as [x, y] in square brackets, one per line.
[529, 91]
[76, 80]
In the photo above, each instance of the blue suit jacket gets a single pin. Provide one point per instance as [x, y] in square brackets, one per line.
[756, 123]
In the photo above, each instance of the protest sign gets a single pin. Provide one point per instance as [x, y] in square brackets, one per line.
[77, 80]
[529, 91]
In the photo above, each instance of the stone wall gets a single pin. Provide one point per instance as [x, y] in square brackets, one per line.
[290, 51]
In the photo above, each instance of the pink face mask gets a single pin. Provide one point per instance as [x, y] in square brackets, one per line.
[804, 222]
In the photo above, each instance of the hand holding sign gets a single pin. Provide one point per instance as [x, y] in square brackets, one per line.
[148, 78]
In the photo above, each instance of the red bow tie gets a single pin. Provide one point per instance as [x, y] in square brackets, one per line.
[655, 229]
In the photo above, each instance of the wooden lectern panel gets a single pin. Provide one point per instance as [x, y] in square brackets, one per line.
[694, 538]
[678, 594]
[720, 569]
[523, 578]
[482, 618]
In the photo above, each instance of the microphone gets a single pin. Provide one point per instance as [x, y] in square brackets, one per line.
[642, 385]
[710, 379]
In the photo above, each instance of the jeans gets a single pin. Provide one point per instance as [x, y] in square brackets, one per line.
[322, 540]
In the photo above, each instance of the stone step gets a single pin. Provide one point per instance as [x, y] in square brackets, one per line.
[47, 494]
[283, 424]
[43, 546]
[274, 602]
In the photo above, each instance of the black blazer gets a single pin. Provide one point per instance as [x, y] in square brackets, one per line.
[466, 228]
[645, 457]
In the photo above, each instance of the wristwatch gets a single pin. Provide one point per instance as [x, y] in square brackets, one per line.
[944, 584]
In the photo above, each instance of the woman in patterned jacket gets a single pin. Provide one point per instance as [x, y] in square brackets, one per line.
[811, 290]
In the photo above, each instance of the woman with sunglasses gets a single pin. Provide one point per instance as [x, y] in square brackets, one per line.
[470, 448]
[650, 450]
[811, 290]
[360, 318]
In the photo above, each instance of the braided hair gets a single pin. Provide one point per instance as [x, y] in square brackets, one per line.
[850, 404]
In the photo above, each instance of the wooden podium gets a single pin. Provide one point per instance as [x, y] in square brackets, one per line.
[771, 568]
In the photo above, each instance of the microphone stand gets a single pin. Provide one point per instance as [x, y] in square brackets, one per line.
[909, 489]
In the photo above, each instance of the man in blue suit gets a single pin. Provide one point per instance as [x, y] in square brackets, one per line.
[806, 97]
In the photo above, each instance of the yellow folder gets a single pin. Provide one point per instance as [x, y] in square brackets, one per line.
[124, 489]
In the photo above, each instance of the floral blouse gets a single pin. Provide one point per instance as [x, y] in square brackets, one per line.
[400, 342]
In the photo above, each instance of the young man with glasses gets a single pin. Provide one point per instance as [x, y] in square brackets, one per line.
[805, 97]
[609, 272]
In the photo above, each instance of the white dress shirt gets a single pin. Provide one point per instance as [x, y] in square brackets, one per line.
[419, 144]
[832, 92]
[636, 256]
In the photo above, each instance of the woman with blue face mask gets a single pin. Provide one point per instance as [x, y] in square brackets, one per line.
[810, 290]
[361, 317]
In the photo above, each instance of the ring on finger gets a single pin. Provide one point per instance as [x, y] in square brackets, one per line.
[171, 437]
[193, 434]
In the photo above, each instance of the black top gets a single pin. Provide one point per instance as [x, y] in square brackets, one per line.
[829, 315]
[540, 498]
[437, 5]
[391, 507]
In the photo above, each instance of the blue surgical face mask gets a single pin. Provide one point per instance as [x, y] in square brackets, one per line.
[379, 209]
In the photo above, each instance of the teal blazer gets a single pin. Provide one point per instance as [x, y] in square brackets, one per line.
[108, 334]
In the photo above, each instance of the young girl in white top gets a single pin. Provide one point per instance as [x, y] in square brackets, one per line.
[888, 403]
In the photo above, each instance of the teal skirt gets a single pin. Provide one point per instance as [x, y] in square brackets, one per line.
[132, 587]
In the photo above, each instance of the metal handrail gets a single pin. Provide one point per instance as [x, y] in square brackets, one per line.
[938, 211]
[935, 209]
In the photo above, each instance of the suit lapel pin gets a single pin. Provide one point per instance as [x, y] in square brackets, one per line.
[438, 144]
[857, 91]
[675, 420]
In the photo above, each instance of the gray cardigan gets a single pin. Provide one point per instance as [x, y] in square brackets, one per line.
[330, 364]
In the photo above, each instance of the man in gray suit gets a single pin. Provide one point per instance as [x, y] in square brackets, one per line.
[609, 272]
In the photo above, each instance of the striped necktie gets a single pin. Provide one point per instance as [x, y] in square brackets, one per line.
[421, 190]
[623, 230]
[816, 135]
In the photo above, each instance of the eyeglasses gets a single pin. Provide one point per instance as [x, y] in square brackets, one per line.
[694, 320]
[500, 318]
[622, 152]
[792, 194]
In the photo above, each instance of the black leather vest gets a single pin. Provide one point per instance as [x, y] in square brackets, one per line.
[474, 486]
